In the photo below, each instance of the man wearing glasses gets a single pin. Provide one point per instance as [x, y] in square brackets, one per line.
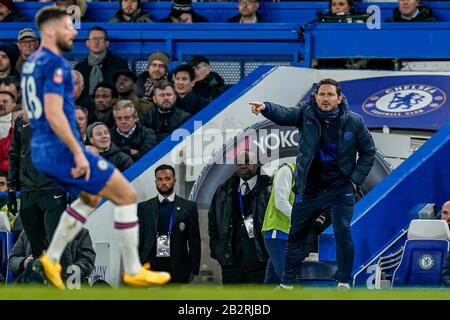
[28, 43]
[101, 64]
[247, 12]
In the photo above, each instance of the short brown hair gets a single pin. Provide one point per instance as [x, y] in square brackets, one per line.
[330, 82]
[49, 13]
[162, 85]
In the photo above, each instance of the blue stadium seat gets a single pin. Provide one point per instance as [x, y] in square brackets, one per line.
[6, 242]
[424, 255]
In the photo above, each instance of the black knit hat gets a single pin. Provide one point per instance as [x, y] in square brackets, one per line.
[180, 6]
[12, 51]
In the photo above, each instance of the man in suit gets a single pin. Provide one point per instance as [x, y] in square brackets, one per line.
[169, 233]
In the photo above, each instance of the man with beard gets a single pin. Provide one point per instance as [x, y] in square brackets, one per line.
[9, 53]
[128, 134]
[165, 117]
[125, 82]
[169, 233]
[157, 69]
[247, 12]
[105, 97]
[335, 155]
[100, 138]
[235, 220]
[57, 151]
[187, 100]
[130, 11]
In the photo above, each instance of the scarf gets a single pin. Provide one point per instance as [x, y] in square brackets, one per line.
[96, 75]
[327, 115]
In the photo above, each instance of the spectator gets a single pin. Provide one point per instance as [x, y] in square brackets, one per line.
[169, 233]
[100, 138]
[11, 84]
[101, 64]
[445, 212]
[165, 117]
[130, 11]
[324, 181]
[79, 3]
[187, 100]
[105, 97]
[128, 134]
[7, 104]
[78, 88]
[3, 184]
[182, 12]
[81, 254]
[235, 219]
[248, 12]
[125, 82]
[208, 84]
[9, 53]
[10, 13]
[81, 116]
[28, 43]
[157, 69]
[412, 11]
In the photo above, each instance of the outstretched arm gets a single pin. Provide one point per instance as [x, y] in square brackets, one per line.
[281, 115]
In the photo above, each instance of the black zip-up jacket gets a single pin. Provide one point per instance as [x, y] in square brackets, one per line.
[237, 18]
[353, 139]
[425, 15]
[164, 123]
[220, 225]
[142, 139]
[192, 103]
[211, 87]
[23, 175]
[119, 159]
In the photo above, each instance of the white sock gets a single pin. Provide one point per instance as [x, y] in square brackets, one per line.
[127, 229]
[70, 223]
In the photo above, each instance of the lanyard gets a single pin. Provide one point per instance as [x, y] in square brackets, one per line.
[241, 205]
[171, 219]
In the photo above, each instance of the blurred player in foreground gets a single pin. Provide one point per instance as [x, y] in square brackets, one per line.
[57, 151]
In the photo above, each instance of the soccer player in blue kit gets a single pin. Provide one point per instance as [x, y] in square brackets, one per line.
[57, 151]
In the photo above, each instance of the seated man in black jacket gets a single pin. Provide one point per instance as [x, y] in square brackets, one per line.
[208, 84]
[81, 256]
[99, 137]
[166, 117]
[128, 134]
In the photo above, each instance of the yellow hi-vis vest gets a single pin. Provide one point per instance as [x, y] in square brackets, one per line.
[274, 219]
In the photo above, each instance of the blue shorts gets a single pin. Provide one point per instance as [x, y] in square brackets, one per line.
[60, 170]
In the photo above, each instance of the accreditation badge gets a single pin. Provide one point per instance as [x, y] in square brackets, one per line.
[248, 221]
[163, 245]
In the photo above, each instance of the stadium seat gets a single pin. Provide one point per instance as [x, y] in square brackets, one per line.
[6, 240]
[423, 258]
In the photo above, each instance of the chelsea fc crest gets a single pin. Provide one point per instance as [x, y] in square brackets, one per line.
[404, 101]
[426, 262]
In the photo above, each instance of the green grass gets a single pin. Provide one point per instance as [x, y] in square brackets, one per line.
[210, 292]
